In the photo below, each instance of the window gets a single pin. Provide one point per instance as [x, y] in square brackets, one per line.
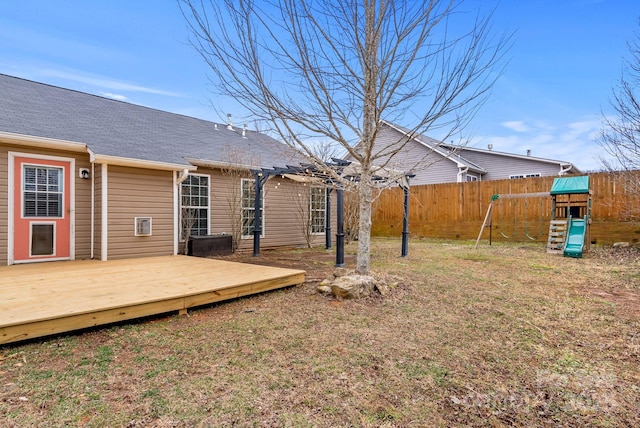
[42, 191]
[536, 174]
[248, 210]
[472, 178]
[194, 206]
[318, 209]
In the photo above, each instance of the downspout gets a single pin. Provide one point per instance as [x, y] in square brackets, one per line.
[92, 159]
[176, 207]
[461, 172]
[565, 168]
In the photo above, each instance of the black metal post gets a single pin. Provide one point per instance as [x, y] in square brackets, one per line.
[257, 220]
[340, 232]
[327, 227]
[405, 221]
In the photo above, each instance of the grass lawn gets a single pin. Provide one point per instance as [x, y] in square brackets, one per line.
[505, 335]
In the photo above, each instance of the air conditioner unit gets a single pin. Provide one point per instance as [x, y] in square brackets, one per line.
[142, 226]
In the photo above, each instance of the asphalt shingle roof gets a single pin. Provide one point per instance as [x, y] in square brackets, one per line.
[115, 128]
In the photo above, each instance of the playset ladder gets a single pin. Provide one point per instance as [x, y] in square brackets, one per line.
[557, 236]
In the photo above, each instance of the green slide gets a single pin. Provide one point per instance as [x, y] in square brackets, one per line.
[575, 237]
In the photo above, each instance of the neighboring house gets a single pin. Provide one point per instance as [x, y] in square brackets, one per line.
[82, 176]
[435, 162]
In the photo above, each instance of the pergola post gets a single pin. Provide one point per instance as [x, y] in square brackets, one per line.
[257, 215]
[327, 227]
[340, 225]
[405, 220]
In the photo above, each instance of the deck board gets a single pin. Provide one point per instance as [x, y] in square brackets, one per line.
[48, 298]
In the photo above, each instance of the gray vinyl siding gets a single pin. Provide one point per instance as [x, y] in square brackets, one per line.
[134, 192]
[415, 158]
[499, 166]
[82, 198]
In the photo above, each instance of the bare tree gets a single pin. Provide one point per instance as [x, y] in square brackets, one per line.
[238, 165]
[325, 69]
[620, 136]
[187, 220]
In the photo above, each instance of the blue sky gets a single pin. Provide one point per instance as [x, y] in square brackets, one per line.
[566, 57]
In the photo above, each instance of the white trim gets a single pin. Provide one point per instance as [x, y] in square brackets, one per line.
[10, 205]
[42, 142]
[141, 163]
[104, 215]
[462, 173]
[176, 221]
[92, 222]
[10, 198]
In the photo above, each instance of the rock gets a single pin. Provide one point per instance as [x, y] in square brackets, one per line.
[325, 282]
[382, 288]
[324, 289]
[340, 272]
[353, 286]
[620, 245]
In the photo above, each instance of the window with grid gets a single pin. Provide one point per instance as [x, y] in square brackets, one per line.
[318, 209]
[248, 210]
[194, 205]
[42, 191]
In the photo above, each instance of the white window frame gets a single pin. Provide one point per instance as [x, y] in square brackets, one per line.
[471, 177]
[249, 208]
[59, 192]
[207, 207]
[529, 175]
[313, 211]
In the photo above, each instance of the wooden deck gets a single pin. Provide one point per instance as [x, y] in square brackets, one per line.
[48, 298]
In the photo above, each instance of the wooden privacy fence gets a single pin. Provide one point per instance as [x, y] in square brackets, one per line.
[457, 210]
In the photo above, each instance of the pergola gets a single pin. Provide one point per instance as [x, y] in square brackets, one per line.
[346, 171]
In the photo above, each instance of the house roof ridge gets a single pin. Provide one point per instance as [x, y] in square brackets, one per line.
[516, 155]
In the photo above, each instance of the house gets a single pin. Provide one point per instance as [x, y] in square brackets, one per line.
[82, 176]
[433, 162]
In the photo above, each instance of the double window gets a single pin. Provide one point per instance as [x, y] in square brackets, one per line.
[318, 209]
[194, 206]
[248, 189]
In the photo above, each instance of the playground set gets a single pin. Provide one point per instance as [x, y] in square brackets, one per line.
[570, 216]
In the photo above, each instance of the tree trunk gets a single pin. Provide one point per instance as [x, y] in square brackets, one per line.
[364, 231]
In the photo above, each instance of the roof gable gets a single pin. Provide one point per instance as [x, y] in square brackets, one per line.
[438, 148]
[456, 153]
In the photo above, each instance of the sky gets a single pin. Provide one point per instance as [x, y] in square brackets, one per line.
[566, 57]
